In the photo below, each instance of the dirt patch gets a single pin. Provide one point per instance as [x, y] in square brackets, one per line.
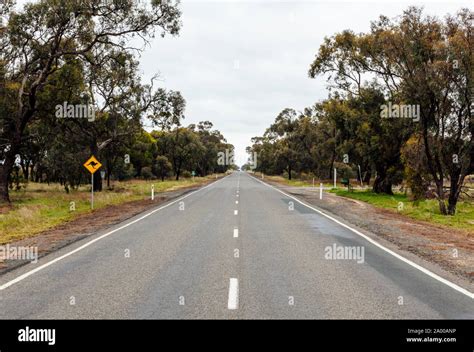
[88, 224]
[5, 209]
[451, 249]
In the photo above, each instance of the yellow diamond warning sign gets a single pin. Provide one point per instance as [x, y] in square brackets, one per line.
[92, 165]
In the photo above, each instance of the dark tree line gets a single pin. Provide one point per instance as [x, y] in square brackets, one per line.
[81, 53]
[411, 61]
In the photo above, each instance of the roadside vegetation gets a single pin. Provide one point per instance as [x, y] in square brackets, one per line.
[71, 88]
[399, 112]
[398, 202]
[425, 210]
[40, 207]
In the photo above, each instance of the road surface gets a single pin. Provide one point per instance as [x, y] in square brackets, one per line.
[235, 249]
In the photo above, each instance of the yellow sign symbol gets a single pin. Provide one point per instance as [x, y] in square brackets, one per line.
[92, 164]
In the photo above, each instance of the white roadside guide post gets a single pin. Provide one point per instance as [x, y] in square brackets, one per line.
[320, 191]
[360, 175]
[152, 192]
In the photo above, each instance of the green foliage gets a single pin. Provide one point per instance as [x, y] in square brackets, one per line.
[416, 170]
[344, 170]
[146, 173]
[192, 148]
[417, 60]
[425, 210]
[126, 172]
[186, 174]
[80, 53]
[162, 167]
[405, 61]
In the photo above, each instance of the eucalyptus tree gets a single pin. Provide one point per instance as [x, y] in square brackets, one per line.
[419, 61]
[39, 40]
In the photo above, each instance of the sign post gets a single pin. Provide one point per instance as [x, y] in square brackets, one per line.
[92, 165]
[92, 192]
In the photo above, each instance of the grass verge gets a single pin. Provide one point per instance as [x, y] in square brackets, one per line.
[427, 210]
[41, 207]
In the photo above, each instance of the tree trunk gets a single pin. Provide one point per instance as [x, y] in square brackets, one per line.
[367, 177]
[108, 178]
[442, 207]
[440, 191]
[454, 192]
[441, 199]
[7, 168]
[331, 167]
[452, 202]
[97, 177]
[382, 184]
[4, 180]
[25, 168]
[97, 182]
[178, 169]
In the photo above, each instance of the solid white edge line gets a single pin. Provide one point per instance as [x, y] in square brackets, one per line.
[41, 267]
[233, 301]
[396, 255]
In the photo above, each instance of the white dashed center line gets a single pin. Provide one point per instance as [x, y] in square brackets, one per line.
[236, 212]
[236, 233]
[233, 302]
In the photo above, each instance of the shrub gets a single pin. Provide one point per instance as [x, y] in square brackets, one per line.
[186, 174]
[146, 173]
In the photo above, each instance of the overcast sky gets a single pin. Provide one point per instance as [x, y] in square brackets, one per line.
[239, 63]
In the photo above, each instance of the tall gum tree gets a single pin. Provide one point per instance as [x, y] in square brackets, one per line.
[424, 61]
[36, 41]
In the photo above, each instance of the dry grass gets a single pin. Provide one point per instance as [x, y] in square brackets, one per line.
[40, 207]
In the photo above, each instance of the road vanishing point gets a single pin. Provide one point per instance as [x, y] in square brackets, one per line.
[235, 249]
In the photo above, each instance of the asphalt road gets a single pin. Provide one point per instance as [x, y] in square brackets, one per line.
[236, 249]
